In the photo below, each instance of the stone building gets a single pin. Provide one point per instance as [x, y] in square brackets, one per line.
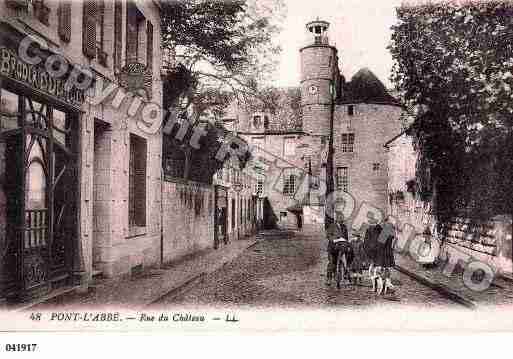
[206, 202]
[239, 203]
[80, 179]
[292, 141]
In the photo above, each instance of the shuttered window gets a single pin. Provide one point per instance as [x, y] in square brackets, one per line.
[100, 33]
[149, 46]
[64, 25]
[134, 20]
[89, 29]
[137, 182]
[118, 33]
[233, 213]
[41, 11]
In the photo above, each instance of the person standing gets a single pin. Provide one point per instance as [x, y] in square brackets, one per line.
[386, 256]
[334, 233]
[299, 221]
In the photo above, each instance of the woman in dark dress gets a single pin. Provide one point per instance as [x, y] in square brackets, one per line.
[385, 253]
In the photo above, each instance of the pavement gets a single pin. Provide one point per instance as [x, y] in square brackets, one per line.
[287, 270]
[277, 268]
[499, 293]
[150, 285]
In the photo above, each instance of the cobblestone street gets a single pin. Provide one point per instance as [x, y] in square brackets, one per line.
[287, 269]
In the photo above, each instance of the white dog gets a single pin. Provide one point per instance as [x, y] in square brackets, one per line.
[380, 279]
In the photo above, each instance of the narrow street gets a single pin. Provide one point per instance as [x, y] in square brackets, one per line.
[286, 269]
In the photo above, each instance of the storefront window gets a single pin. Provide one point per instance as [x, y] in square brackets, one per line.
[8, 111]
[59, 127]
[36, 114]
[36, 180]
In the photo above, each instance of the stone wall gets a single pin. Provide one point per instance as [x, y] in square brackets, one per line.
[187, 218]
[488, 242]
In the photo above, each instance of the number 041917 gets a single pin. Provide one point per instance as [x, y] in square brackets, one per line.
[20, 347]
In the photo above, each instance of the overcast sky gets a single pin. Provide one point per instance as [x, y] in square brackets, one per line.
[360, 29]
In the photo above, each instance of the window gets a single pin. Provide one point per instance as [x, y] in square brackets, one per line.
[240, 206]
[350, 110]
[134, 34]
[324, 139]
[342, 179]
[289, 182]
[289, 147]
[233, 212]
[41, 11]
[100, 34]
[93, 32]
[118, 33]
[260, 186]
[64, 21]
[375, 167]
[347, 144]
[137, 182]
[9, 103]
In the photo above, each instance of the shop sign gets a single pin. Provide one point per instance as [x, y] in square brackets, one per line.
[38, 78]
[135, 77]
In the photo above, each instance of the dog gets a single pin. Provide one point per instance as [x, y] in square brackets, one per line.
[380, 279]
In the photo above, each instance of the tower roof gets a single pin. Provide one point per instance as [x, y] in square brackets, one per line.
[367, 88]
[317, 22]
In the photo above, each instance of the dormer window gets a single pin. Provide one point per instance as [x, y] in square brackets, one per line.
[350, 110]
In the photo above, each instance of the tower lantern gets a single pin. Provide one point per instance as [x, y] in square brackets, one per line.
[317, 32]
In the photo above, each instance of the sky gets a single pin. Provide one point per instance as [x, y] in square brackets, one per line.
[360, 29]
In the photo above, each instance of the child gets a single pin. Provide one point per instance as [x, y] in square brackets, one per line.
[359, 260]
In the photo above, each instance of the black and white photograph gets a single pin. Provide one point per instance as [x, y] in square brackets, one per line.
[268, 165]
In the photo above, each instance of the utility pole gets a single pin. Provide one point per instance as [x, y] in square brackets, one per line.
[329, 204]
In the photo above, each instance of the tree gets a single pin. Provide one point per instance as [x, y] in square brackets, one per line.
[454, 64]
[216, 51]
[227, 48]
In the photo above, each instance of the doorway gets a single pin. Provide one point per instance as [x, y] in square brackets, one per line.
[39, 180]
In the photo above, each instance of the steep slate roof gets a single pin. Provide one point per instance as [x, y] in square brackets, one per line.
[365, 87]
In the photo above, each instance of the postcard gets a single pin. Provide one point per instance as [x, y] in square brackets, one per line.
[267, 166]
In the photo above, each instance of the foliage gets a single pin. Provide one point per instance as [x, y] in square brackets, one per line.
[200, 164]
[283, 103]
[226, 46]
[454, 66]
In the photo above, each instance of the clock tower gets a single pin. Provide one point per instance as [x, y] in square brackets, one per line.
[319, 72]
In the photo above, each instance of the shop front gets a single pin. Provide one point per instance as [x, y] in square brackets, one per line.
[39, 176]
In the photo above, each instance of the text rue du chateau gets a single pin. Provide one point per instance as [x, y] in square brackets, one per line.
[118, 317]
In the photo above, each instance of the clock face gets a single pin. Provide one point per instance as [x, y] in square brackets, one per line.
[312, 89]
